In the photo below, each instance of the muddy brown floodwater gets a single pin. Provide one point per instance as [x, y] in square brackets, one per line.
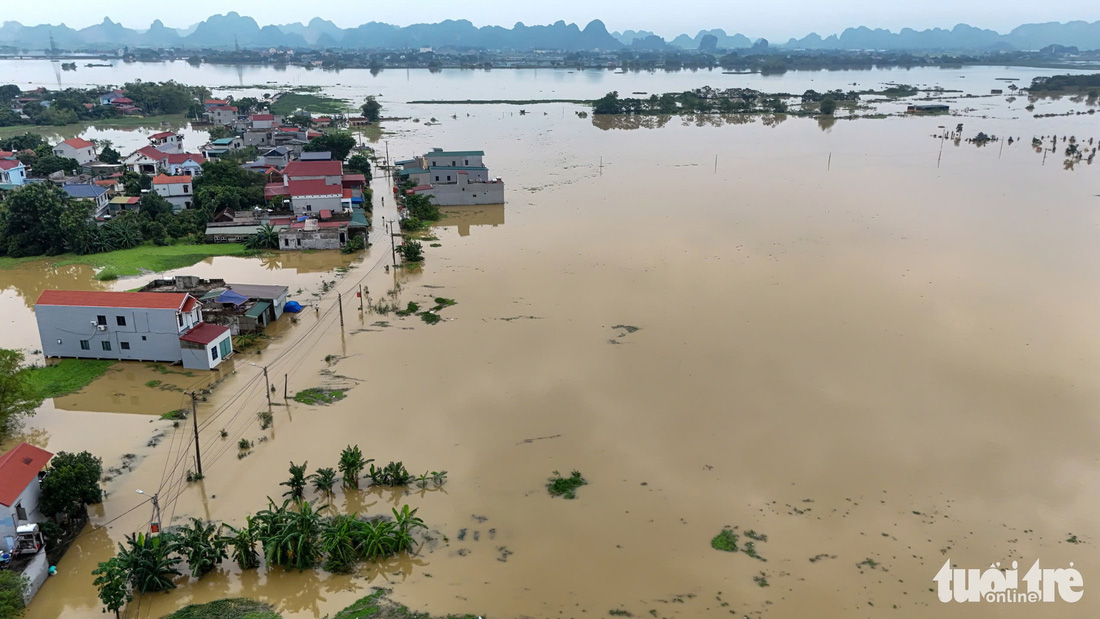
[880, 362]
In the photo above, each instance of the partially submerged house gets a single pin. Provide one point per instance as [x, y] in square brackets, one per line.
[138, 326]
[21, 539]
[452, 178]
[928, 108]
[243, 308]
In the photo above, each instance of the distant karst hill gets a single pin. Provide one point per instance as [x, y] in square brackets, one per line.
[232, 30]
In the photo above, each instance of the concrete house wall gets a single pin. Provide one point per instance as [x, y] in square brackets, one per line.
[204, 357]
[324, 238]
[28, 500]
[316, 204]
[453, 160]
[465, 192]
[151, 334]
[82, 155]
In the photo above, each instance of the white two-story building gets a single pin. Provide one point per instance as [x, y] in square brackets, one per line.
[179, 190]
[138, 326]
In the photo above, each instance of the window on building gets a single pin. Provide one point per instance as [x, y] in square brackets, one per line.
[124, 345]
[101, 320]
[186, 188]
[213, 353]
[143, 338]
[180, 319]
[437, 177]
[286, 242]
[448, 177]
[121, 320]
[467, 162]
[84, 344]
[299, 241]
[106, 345]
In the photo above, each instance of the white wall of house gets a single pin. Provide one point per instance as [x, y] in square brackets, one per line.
[179, 194]
[323, 238]
[187, 168]
[464, 193]
[82, 155]
[144, 335]
[10, 516]
[206, 357]
[435, 160]
[315, 204]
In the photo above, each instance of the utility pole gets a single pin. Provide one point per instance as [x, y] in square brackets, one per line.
[154, 526]
[340, 302]
[195, 418]
[393, 247]
[267, 384]
[286, 379]
[360, 298]
[388, 163]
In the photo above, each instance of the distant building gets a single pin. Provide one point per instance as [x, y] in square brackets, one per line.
[76, 148]
[179, 190]
[322, 155]
[222, 114]
[138, 326]
[260, 122]
[167, 141]
[927, 108]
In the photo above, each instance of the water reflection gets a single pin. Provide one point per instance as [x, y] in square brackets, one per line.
[465, 217]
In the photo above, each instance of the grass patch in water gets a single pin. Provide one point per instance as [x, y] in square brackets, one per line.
[232, 608]
[409, 310]
[64, 377]
[175, 415]
[725, 541]
[377, 605]
[317, 395]
[133, 261]
[565, 486]
[292, 102]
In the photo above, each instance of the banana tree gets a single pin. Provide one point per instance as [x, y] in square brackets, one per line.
[149, 562]
[351, 465]
[323, 480]
[297, 483]
[199, 543]
[242, 543]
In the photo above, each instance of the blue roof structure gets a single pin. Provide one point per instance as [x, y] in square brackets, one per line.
[234, 298]
[84, 192]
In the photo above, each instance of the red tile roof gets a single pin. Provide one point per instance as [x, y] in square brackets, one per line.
[89, 298]
[77, 143]
[8, 164]
[204, 333]
[151, 153]
[6, 154]
[313, 168]
[321, 224]
[121, 101]
[263, 117]
[275, 189]
[164, 179]
[353, 180]
[18, 468]
[106, 183]
[162, 134]
[215, 102]
[225, 108]
[316, 187]
[178, 158]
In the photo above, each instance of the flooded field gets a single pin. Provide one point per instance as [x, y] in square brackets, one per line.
[871, 346]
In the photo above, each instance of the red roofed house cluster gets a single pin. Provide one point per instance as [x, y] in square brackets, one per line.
[138, 326]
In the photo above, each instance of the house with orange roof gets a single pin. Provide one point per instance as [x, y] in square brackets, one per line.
[76, 148]
[179, 190]
[135, 326]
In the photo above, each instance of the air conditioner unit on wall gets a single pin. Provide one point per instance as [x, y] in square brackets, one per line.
[101, 327]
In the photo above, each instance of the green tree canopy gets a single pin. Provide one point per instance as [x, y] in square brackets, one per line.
[109, 155]
[372, 109]
[361, 164]
[71, 482]
[17, 398]
[37, 219]
[45, 166]
[339, 143]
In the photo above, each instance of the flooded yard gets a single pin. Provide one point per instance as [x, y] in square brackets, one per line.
[875, 353]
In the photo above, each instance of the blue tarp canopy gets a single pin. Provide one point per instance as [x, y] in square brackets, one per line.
[292, 306]
[231, 297]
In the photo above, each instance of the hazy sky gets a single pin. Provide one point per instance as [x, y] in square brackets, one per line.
[775, 19]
